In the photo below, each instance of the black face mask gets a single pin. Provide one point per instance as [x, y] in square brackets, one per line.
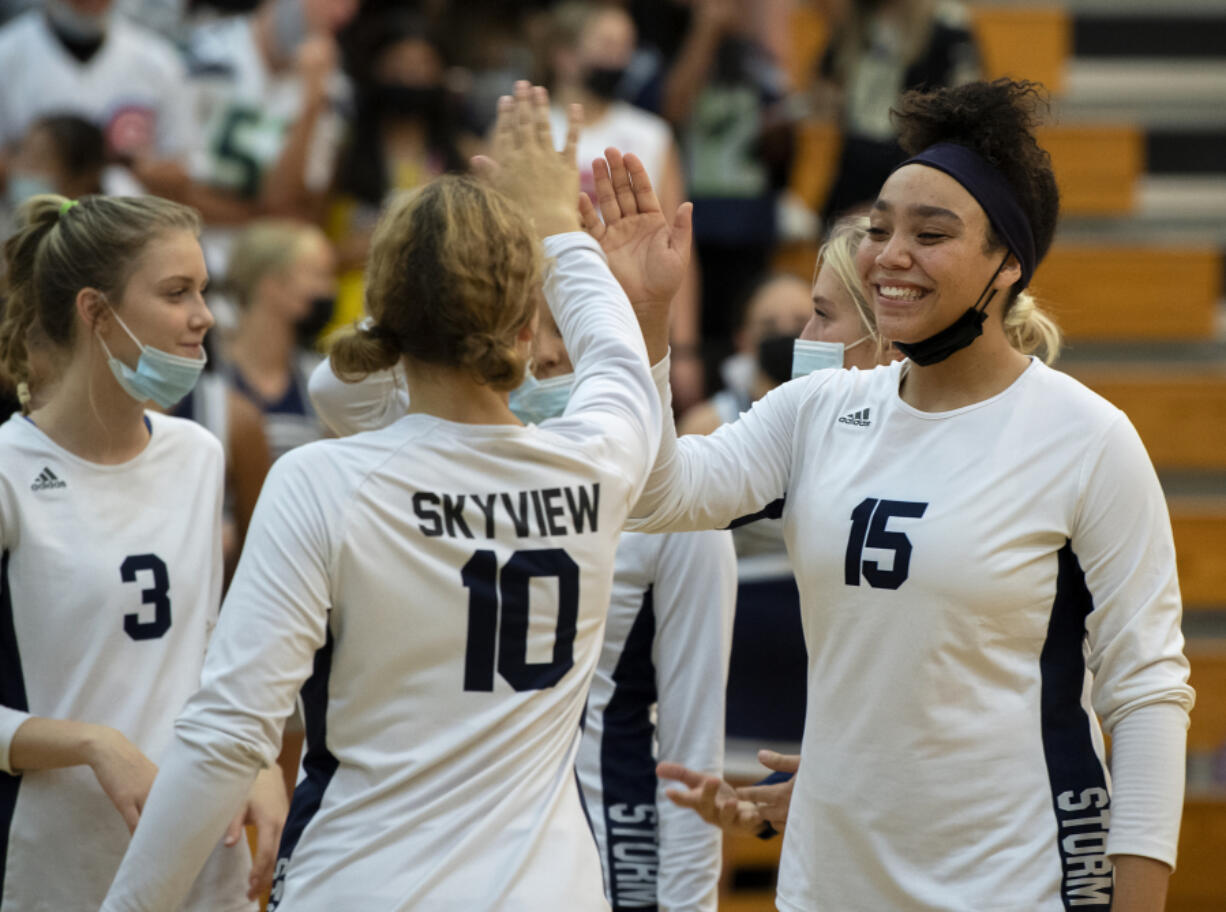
[958, 335]
[405, 102]
[775, 357]
[604, 81]
[307, 329]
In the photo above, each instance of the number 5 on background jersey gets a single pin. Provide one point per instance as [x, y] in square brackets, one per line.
[493, 596]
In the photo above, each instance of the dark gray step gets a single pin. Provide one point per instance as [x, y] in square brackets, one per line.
[1186, 151]
[1154, 35]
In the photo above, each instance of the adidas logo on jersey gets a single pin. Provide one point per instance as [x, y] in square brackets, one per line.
[47, 479]
[859, 419]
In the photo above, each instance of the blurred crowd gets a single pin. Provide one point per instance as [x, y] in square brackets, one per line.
[289, 123]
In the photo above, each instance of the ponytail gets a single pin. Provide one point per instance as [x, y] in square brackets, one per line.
[1031, 330]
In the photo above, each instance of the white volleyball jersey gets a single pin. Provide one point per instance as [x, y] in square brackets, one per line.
[959, 574]
[109, 582]
[134, 88]
[658, 690]
[443, 587]
[626, 128]
[658, 694]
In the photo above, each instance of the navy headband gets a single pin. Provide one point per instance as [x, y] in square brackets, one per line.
[992, 192]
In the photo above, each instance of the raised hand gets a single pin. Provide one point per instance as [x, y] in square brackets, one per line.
[648, 255]
[526, 167]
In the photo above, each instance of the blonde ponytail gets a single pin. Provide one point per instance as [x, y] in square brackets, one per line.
[1031, 330]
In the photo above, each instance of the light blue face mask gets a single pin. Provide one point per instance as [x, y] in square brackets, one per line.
[809, 356]
[159, 375]
[534, 401]
[20, 187]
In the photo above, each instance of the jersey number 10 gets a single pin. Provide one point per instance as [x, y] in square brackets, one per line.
[492, 594]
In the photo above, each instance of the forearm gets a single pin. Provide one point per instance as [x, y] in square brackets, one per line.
[41, 744]
[1140, 884]
[689, 72]
[285, 189]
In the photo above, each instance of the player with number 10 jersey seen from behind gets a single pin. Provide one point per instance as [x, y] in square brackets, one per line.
[438, 586]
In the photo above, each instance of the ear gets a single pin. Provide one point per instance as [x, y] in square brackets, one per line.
[92, 309]
[1009, 275]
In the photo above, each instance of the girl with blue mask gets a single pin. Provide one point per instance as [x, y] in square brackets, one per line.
[111, 541]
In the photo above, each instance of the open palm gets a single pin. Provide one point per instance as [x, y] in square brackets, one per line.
[647, 255]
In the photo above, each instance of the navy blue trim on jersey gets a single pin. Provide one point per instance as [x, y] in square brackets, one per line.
[1078, 784]
[773, 510]
[628, 771]
[318, 765]
[12, 695]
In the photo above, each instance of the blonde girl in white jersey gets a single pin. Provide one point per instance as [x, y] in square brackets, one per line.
[437, 588]
[985, 565]
[110, 532]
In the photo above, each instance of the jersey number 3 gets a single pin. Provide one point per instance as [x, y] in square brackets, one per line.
[158, 596]
[868, 529]
[491, 594]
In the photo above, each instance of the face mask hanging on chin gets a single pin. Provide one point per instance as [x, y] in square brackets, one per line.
[159, 376]
[958, 335]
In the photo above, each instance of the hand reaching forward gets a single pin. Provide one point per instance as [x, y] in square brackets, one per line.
[734, 810]
[526, 167]
[647, 255]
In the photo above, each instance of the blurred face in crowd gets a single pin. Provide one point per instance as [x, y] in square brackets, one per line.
[309, 277]
[781, 307]
[608, 41]
[411, 62]
[328, 16]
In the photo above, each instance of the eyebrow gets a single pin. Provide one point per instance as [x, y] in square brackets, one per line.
[191, 280]
[822, 299]
[921, 211]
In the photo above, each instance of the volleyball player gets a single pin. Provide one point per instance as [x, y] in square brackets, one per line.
[441, 582]
[985, 566]
[658, 690]
[110, 561]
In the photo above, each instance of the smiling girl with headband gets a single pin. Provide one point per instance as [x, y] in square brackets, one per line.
[984, 560]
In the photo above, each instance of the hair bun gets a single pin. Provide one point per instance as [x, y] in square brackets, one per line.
[492, 360]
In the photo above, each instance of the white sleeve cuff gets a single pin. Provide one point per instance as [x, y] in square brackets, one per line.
[1148, 749]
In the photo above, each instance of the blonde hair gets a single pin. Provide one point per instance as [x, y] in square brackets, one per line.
[1030, 329]
[452, 277]
[62, 246]
[839, 255]
[265, 247]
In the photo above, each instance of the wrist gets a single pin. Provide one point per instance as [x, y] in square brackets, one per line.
[92, 742]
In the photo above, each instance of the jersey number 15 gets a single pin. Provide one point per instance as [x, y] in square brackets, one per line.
[491, 594]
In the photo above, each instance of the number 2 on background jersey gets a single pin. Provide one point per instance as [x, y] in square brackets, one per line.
[158, 596]
[491, 594]
[868, 529]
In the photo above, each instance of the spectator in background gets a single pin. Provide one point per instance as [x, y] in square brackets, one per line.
[404, 134]
[270, 102]
[79, 57]
[60, 153]
[591, 45]
[880, 49]
[283, 277]
[724, 95]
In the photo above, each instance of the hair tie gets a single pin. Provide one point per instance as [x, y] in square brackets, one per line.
[66, 205]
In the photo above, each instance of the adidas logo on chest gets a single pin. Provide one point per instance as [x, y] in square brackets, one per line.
[857, 419]
[47, 480]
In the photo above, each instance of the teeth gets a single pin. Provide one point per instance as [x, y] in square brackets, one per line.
[900, 294]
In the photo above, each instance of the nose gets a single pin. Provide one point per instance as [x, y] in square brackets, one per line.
[201, 317]
[894, 253]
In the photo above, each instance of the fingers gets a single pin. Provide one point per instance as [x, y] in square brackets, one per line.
[780, 763]
[574, 121]
[681, 234]
[763, 794]
[235, 830]
[484, 167]
[542, 128]
[683, 774]
[610, 211]
[503, 137]
[589, 218]
[524, 115]
[131, 816]
[644, 196]
[268, 839]
[621, 182]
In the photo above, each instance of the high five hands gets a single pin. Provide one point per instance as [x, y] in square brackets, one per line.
[647, 254]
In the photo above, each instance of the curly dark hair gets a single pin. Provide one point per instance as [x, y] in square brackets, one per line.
[997, 120]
